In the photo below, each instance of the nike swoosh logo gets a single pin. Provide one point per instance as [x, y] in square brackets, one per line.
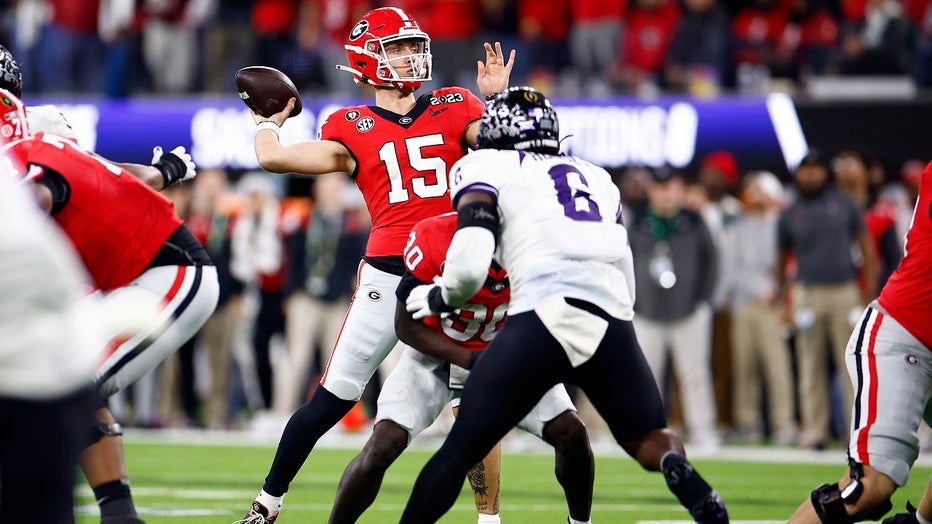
[437, 112]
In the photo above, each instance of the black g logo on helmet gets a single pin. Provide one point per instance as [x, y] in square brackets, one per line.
[359, 29]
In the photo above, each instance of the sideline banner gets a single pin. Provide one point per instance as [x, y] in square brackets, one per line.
[763, 133]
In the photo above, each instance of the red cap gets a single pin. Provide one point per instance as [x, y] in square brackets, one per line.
[724, 162]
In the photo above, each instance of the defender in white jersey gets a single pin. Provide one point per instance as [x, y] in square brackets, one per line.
[555, 220]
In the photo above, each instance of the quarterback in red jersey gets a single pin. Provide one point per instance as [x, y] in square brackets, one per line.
[889, 361]
[438, 353]
[139, 256]
[398, 152]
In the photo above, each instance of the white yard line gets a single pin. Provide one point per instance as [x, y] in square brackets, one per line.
[515, 442]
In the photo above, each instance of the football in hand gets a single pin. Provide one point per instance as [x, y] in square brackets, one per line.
[266, 90]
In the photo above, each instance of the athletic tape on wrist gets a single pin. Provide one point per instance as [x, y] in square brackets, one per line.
[268, 124]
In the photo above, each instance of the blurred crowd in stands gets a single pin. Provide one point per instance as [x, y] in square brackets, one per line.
[567, 47]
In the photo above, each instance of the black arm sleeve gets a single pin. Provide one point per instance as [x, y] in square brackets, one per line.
[58, 185]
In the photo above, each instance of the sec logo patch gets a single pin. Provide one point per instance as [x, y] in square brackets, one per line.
[365, 124]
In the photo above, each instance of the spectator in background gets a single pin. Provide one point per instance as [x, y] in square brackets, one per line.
[760, 354]
[323, 255]
[920, 13]
[210, 220]
[170, 42]
[757, 31]
[171, 385]
[638, 66]
[882, 43]
[230, 44]
[544, 26]
[118, 27]
[499, 23]
[323, 26]
[676, 271]
[452, 26]
[717, 181]
[70, 49]
[698, 59]
[852, 175]
[258, 259]
[597, 26]
[274, 23]
[633, 183]
[28, 19]
[910, 175]
[808, 43]
[718, 178]
[821, 228]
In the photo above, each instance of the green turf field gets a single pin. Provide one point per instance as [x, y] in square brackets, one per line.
[204, 483]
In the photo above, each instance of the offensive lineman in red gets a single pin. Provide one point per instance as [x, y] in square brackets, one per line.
[139, 255]
[889, 360]
[398, 151]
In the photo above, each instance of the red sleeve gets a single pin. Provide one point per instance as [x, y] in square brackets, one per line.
[333, 127]
[474, 106]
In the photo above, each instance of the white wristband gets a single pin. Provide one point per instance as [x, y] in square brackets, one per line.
[268, 124]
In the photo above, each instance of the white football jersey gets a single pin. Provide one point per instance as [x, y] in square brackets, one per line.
[559, 227]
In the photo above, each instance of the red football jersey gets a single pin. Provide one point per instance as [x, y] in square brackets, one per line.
[907, 296]
[403, 161]
[116, 222]
[474, 325]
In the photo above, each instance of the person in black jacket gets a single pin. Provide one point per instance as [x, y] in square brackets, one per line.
[676, 270]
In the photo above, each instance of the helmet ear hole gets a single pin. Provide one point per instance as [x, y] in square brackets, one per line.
[522, 119]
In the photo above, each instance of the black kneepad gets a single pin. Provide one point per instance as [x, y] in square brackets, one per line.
[829, 503]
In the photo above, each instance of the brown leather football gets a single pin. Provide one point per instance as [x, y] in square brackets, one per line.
[266, 90]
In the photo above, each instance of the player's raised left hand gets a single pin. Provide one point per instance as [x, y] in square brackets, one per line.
[426, 300]
[494, 74]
